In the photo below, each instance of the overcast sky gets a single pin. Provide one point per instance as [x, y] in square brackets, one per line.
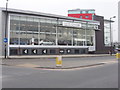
[106, 8]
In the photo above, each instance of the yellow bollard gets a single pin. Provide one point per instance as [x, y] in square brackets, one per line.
[59, 61]
[118, 56]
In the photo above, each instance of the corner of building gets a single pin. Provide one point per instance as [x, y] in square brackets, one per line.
[119, 21]
[0, 32]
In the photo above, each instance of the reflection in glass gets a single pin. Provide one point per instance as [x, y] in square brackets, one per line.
[27, 30]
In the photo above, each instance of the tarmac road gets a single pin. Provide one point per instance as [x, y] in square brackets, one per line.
[104, 76]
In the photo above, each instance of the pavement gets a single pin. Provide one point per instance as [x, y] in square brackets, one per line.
[68, 62]
[54, 56]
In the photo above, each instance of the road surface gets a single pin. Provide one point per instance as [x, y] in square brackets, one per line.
[103, 76]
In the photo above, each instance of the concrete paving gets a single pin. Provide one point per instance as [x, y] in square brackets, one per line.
[54, 56]
[66, 62]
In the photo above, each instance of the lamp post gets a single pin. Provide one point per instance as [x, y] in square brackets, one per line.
[111, 35]
[5, 39]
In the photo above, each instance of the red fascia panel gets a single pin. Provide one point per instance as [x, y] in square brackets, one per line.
[90, 16]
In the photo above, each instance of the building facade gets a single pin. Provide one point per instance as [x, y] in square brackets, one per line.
[103, 40]
[107, 32]
[82, 13]
[35, 33]
[119, 21]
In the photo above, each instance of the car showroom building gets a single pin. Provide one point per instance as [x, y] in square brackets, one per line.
[36, 33]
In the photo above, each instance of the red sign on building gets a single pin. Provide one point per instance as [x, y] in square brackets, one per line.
[82, 13]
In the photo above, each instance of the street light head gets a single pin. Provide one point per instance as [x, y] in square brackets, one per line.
[114, 16]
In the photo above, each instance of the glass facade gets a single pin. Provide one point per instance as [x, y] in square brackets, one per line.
[39, 35]
[74, 12]
[93, 12]
[107, 33]
[81, 11]
[27, 30]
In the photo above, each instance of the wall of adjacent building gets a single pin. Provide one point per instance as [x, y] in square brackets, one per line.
[2, 32]
[100, 46]
[0, 51]
[119, 21]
